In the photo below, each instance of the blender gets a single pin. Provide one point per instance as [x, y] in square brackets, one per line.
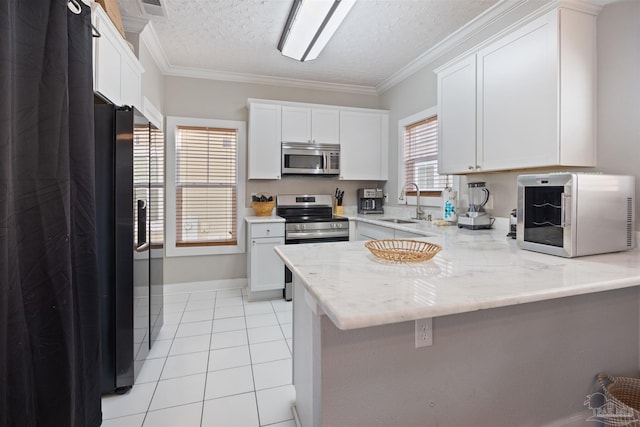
[476, 218]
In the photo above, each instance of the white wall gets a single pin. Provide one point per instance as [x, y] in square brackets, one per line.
[618, 103]
[190, 97]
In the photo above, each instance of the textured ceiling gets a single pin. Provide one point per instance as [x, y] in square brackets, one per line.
[378, 37]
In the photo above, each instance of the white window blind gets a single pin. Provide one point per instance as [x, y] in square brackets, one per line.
[148, 180]
[206, 186]
[140, 174]
[156, 176]
[421, 156]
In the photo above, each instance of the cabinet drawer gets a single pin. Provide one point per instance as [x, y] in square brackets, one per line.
[275, 229]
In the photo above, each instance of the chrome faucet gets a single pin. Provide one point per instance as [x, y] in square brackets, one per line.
[419, 211]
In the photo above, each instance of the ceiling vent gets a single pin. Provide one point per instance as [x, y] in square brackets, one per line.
[154, 7]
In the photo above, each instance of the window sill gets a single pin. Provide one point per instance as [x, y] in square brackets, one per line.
[173, 251]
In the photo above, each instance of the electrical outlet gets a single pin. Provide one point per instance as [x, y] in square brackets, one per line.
[386, 197]
[424, 332]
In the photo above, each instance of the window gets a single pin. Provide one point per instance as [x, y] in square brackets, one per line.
[206, 179]
[140, 174]
[419, 154]
[148, 177]
[156, 176]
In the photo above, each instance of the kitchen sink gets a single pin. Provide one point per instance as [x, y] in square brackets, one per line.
[398, 221]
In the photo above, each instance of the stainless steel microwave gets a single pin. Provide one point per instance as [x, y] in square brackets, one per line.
[575, 214]
[310, 159]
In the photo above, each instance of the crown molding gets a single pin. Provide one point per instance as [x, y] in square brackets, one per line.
[466, 32]
[456, 38]
[200, 73]
[475, 26]
[133, 25]
[149, 37]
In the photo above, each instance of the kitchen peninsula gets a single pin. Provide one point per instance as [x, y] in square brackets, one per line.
[518, 336]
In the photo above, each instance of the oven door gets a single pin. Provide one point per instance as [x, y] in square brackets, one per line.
[545, 212]
[310, 159]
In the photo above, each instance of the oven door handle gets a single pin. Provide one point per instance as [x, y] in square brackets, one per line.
[318, 234]
[564, 207]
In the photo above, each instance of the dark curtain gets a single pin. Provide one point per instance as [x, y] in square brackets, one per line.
[49, 306]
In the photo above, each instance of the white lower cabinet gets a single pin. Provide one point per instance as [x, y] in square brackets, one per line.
[265, 269]
[398, 234]
[367, 231]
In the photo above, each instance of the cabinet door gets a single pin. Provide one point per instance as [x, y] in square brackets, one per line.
[457, 117]
[266, 267]
[362, 145]
[366, 231]
[325, 126]
[264, 141]
[399, 234]
[518, 98]
[106, 60]
[296, 124]
[130, 83]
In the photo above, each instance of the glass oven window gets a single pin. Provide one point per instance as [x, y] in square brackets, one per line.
[543, 215]
[302, 161]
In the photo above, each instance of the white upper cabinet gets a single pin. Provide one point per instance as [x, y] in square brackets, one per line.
[264, 141]
[363, 135]
[116, 70]
[325, 126]
[296, 124]
[535, 98]
[364, 145]
[518, 98]
[457, 117]
[310, 125]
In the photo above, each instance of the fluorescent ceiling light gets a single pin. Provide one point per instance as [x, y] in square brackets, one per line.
[310, 25]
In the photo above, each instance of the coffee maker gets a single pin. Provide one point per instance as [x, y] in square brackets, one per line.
[370, 200]
[476, 218]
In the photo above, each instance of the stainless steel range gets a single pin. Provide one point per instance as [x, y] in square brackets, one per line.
[309, 219]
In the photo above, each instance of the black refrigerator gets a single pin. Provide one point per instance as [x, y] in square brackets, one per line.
[130, 301]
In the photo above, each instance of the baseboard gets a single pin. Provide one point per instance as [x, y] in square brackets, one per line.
[206, 286]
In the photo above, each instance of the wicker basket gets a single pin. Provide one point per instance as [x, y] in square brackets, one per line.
[622, 400]
[263, 208]
[399, 250]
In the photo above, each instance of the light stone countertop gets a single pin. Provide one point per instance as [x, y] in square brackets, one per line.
[426, 228]
[476, 269]
[263, 219]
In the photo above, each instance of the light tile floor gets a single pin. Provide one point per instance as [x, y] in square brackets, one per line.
[220, 361]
